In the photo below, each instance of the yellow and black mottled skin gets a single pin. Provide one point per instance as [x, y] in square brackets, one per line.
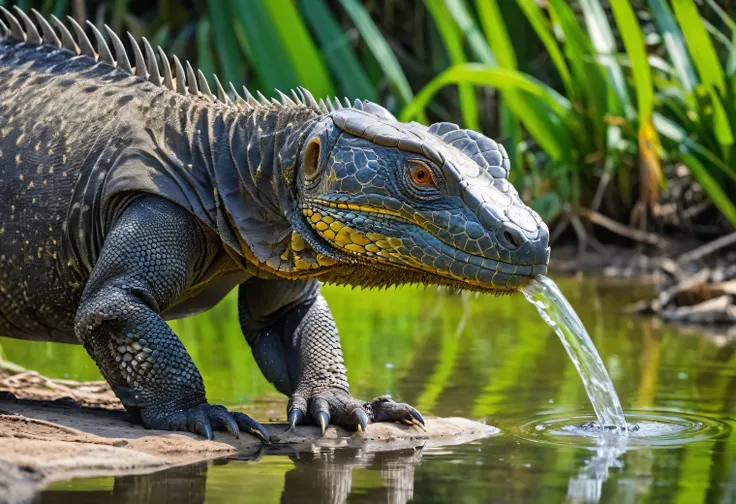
[128, 197]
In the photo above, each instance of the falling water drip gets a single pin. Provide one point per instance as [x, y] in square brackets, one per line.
[543, 293]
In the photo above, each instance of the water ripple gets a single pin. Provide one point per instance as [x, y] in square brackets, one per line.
[647, 429]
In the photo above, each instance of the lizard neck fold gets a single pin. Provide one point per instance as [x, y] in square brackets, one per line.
[235, 170]
[254, 161]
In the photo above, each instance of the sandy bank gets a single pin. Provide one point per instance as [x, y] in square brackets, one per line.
[54, 430]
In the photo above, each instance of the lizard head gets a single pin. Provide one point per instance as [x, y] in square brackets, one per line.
[416, 204]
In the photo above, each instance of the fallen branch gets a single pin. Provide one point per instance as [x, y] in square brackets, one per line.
[621, 229]
[708, 248]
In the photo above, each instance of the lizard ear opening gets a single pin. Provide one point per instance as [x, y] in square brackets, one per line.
[311, 159]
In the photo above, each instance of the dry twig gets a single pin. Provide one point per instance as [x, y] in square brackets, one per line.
[708, 248]
[621, 229]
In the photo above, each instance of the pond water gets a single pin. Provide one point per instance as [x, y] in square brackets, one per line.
[490, 359]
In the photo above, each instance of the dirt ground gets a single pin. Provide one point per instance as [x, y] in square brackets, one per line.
[53, 430]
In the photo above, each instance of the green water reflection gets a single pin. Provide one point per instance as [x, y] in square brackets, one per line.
[488, 358]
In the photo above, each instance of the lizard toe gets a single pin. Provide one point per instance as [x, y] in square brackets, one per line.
[221, 419]
[338, 407]
[360, 417]
[296, 417]
[250, 426]
[296, 411]
[203, 419]
[320, 411]
[385, 409]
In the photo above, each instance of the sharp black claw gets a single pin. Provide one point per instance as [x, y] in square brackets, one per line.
[324, 419]
[295, 417]
[232, 426]
[362, 419]
[413, 422]
[262, 433]
[220, 418]
[417, 416]
[204, 419]
[207, 430]
[254, 428]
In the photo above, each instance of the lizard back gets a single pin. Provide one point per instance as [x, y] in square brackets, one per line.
[81, 133]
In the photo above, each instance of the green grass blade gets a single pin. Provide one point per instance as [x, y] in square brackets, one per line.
[592, 91]
[262, 44]
[502, 78]
[540, 25]
[228, 55]
[512, 135]
[717, 34]
[495, 31]
[182, 39]
[674, 42]
[304, 56]
[453, 39]
[59, 8]
[711, 186]
[731, 62]
[205, 61]
[335, 46]
[604, 43]
[161, 37]
[649, 146]
[493, 24]
[380, 49]
[673, 131]
[721, 126]
[477, 44]
[633, 39]
[494, 28]
[546, 122]
[725, 18]
[699, 44]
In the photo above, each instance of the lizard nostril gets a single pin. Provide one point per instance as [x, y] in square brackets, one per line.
[512, 238]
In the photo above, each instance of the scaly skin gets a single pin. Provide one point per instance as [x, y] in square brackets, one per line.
[130, 196]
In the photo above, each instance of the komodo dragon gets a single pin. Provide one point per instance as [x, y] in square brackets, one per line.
[131, 194]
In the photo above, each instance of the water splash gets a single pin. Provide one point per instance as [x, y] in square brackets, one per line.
[543, 293]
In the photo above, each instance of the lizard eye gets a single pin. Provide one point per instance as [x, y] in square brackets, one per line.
[311, 159]
[420, 173]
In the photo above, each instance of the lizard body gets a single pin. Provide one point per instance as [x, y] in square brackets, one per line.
[130, 194]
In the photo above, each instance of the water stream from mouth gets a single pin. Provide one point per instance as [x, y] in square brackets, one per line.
[543, 293]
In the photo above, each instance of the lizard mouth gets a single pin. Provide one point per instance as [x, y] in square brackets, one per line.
[407, 251]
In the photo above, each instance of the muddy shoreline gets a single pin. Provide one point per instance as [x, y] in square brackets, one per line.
[53, 430]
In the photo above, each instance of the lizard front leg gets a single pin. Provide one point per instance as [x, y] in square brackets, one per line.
[149, 258]
[295, 341]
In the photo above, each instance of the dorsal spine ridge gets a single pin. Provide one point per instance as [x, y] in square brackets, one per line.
[186, 82]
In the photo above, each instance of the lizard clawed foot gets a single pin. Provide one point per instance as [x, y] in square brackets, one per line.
[340, 408]
[203, 419]
[385, 409]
